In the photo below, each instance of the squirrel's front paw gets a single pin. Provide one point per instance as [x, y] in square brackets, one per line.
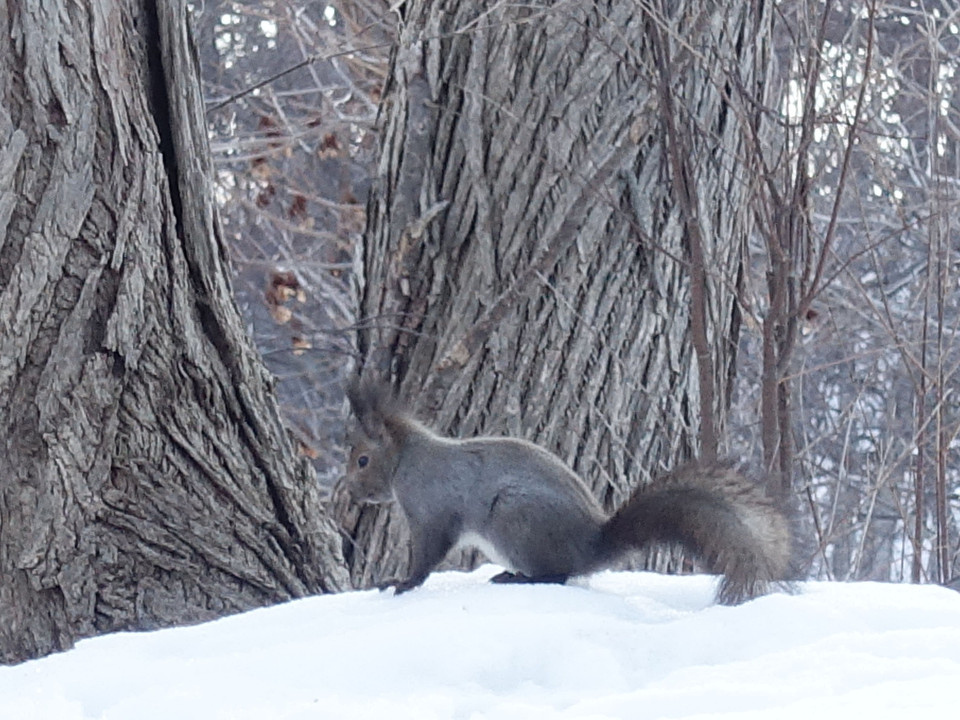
[402, 586]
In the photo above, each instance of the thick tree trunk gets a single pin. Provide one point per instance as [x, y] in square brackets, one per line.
[145, 477]
[586, 245]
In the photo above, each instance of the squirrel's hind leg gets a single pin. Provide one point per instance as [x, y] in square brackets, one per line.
[509, 577]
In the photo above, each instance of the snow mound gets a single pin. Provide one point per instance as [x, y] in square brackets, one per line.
[617, 645]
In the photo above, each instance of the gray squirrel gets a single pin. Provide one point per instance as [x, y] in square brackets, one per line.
[527, 511]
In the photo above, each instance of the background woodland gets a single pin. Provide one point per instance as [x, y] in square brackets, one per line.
[845, 372]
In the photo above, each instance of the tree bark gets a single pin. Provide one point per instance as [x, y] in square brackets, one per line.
[527, 261]
[145, 478]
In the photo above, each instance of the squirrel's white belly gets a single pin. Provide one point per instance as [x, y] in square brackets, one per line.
[474, 540]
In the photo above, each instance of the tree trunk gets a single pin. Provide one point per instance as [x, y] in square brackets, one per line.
[145, 478]
[543, 250]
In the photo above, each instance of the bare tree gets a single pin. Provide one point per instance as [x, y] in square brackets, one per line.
[555, 240]
[858, 188]
[292, 90]
[145, 477]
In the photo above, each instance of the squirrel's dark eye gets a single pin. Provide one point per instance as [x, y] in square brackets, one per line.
[362, 461]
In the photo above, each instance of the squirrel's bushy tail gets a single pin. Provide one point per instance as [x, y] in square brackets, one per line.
[715, 512]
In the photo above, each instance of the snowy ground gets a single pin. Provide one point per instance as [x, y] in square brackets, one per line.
[619, 645]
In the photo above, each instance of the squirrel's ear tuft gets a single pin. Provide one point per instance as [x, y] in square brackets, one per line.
[373, 404]
[355, 395]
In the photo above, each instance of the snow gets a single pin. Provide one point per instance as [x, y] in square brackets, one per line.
[616, 645]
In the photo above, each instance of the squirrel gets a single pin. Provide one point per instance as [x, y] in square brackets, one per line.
[527, 511]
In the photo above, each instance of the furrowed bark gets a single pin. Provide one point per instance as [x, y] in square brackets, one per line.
[551, 297]
[145, 478]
